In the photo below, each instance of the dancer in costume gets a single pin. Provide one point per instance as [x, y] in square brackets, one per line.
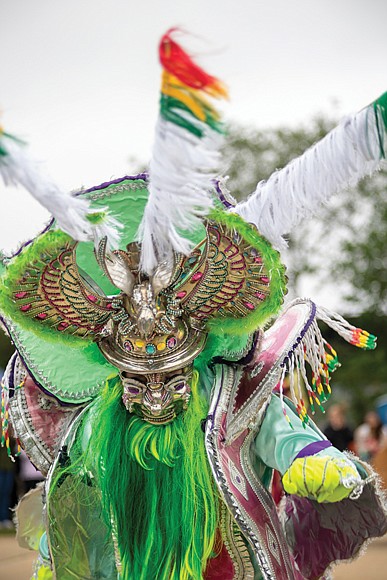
[142, 379]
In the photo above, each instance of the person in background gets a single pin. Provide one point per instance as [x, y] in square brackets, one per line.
[29, 476]
[337, 430]
[370, 436]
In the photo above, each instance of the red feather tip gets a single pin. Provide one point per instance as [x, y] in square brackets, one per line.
[177, 62]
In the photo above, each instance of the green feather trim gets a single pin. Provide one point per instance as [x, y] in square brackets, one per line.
[380, 108]
[172, 117]
[276, 271]
[53, 241]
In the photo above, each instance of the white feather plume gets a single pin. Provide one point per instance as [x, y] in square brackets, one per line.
[70, 212]
[181, 173]
[348, 153]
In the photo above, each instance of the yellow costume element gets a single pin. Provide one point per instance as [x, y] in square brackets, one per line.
[44, 573]
[323, 479]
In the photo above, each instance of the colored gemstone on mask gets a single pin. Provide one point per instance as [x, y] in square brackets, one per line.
[139, 343]
[171, 342]
[92, 298]
[62, 326]
[197, 276]
[265, 280]
[150, 348]
[161, 346]
[260, 295]
[128, 345]
[181, 294]
[41, 315]
[249, 305]
[25, 307]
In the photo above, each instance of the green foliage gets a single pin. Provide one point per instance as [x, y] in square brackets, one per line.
[252, 155]
[346, 241]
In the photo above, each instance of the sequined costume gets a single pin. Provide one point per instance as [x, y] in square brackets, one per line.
[142, 383]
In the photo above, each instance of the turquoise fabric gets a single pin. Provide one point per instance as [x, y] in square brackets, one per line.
[43, 547]
[277, 444]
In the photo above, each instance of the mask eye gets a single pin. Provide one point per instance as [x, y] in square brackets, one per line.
[133, 387]
[179, 387]
[133, 390]
[177, 384]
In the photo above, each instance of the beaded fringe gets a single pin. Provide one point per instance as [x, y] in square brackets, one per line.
[307, 367]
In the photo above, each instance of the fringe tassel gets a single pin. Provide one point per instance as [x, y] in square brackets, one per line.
[4, 418]
[356, 336]
[313, 351]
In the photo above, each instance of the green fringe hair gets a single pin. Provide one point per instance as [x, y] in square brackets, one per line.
[157, 485]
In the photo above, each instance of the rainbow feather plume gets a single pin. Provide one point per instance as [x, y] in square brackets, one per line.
[185, 156]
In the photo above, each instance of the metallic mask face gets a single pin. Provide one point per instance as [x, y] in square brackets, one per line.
[157, 397]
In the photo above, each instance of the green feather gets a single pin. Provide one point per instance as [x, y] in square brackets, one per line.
[168, 104]
[380, 109]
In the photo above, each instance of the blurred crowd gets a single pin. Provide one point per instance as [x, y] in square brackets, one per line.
[368, 441]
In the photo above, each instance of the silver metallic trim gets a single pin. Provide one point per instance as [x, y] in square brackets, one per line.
[224, 383]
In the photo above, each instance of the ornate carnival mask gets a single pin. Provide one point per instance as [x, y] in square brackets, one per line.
[149, 338]
[157, 397]
[153, 330]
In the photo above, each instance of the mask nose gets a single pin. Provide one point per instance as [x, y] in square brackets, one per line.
[156, 398]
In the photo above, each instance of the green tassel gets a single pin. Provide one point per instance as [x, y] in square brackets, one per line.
[380, 109]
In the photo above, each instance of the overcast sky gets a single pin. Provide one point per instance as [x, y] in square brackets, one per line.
[80, 78]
